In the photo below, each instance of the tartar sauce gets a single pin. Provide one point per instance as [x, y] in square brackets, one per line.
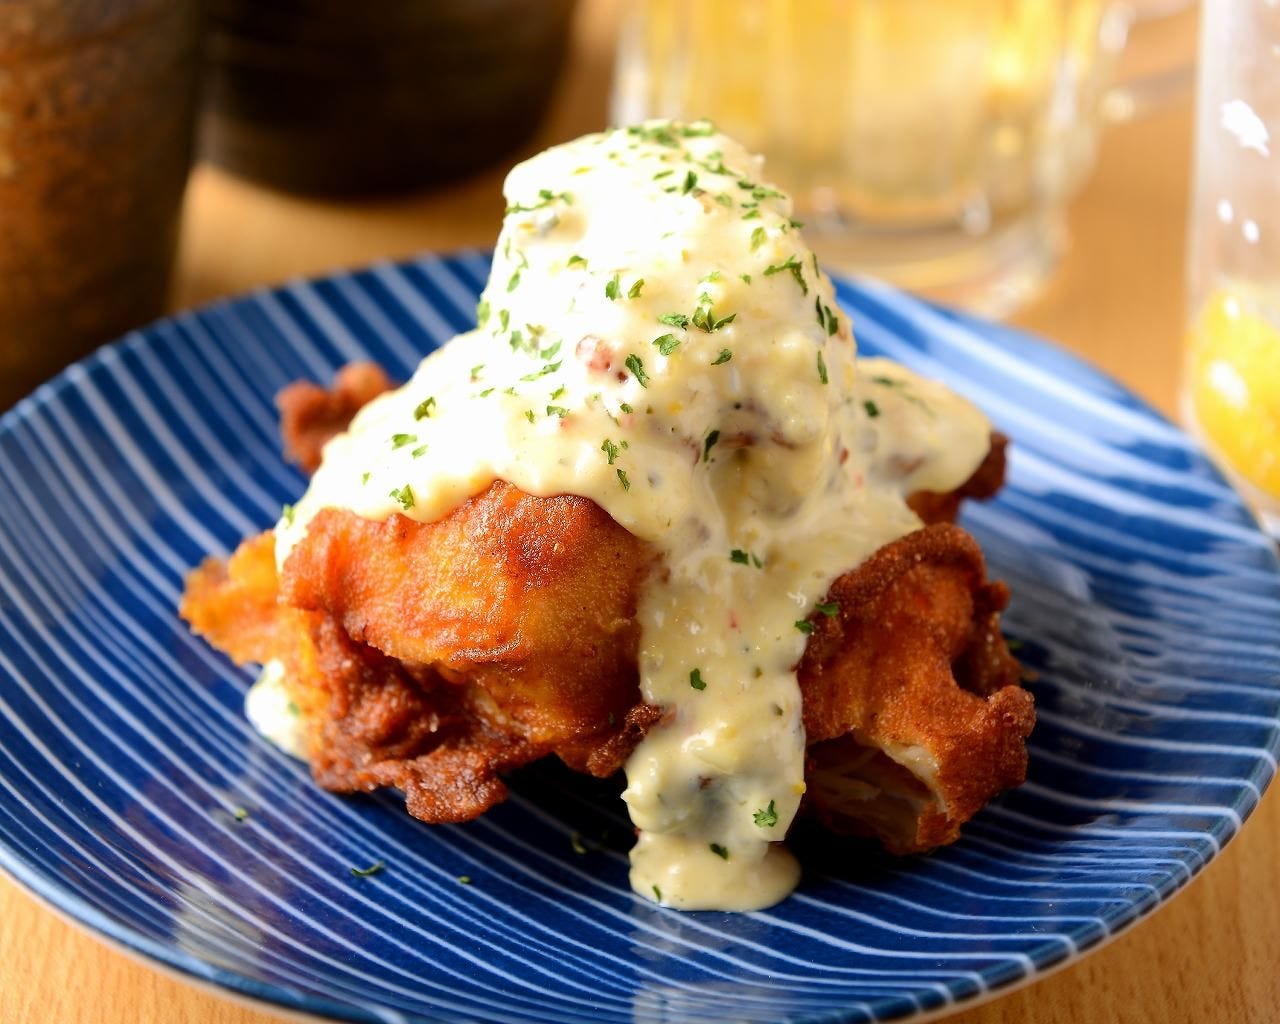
[657, 337]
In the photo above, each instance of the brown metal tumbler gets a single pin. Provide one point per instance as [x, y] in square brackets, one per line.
[96, 109]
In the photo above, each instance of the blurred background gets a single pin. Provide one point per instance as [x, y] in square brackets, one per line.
[1023, 159]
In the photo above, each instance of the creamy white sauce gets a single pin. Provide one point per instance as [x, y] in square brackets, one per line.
[655, 336]
[273, 713]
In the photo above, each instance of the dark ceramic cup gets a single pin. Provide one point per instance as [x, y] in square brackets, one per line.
[333, 97]
[97, 102]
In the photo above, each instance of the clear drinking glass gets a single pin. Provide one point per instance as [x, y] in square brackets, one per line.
[930, 142]
[1231, 393]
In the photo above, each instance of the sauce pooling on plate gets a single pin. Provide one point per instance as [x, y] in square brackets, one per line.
[656, 336]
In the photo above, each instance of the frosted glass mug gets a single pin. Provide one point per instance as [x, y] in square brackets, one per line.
[931, 142]
[1231, 393]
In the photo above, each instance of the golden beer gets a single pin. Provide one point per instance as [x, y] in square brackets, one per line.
[931, 141]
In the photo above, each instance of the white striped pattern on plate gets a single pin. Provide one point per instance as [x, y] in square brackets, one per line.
[1145, 599]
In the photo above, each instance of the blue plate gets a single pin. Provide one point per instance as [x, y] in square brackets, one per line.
[1146, 602]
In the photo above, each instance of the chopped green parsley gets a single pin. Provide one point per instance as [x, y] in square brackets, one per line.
[636, 365]
[634, 291]
[372, 869]
[871, 408]
[829, 608]
[704, 318]
[696, 680]
[404, 495]
[576, 261]
[724, 356]
[549, 368]
[425, 408]
[666, 344]
[710, 443]
[719, 851]
[613, 289]
[822, 369]
[610, 450]
[698, 129]
[659, 133]
[622, 479]
[287, 513]
[793, 266]
[804, 626]
[768, 817]
[403, 440]
[545, 198]
[826, 319]
[674, 320]
[758, 237]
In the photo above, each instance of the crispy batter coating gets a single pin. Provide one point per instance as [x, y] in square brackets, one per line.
[376, 721]
[311, 414]
[899, 748]
[530, 599]
[235, 605]
[388, 723]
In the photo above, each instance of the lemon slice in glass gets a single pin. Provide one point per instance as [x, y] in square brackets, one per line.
[1234, 385]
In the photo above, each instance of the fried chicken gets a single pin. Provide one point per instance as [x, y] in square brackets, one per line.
[912, 706]
[434, 657]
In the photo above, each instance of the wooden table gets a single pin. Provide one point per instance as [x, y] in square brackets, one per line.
[1117, 300]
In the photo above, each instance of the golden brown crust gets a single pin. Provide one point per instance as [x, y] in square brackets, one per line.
[311, 414]
[388, 724]
[531, 599]
[881, 675]
[236, 606]
[373, 721]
